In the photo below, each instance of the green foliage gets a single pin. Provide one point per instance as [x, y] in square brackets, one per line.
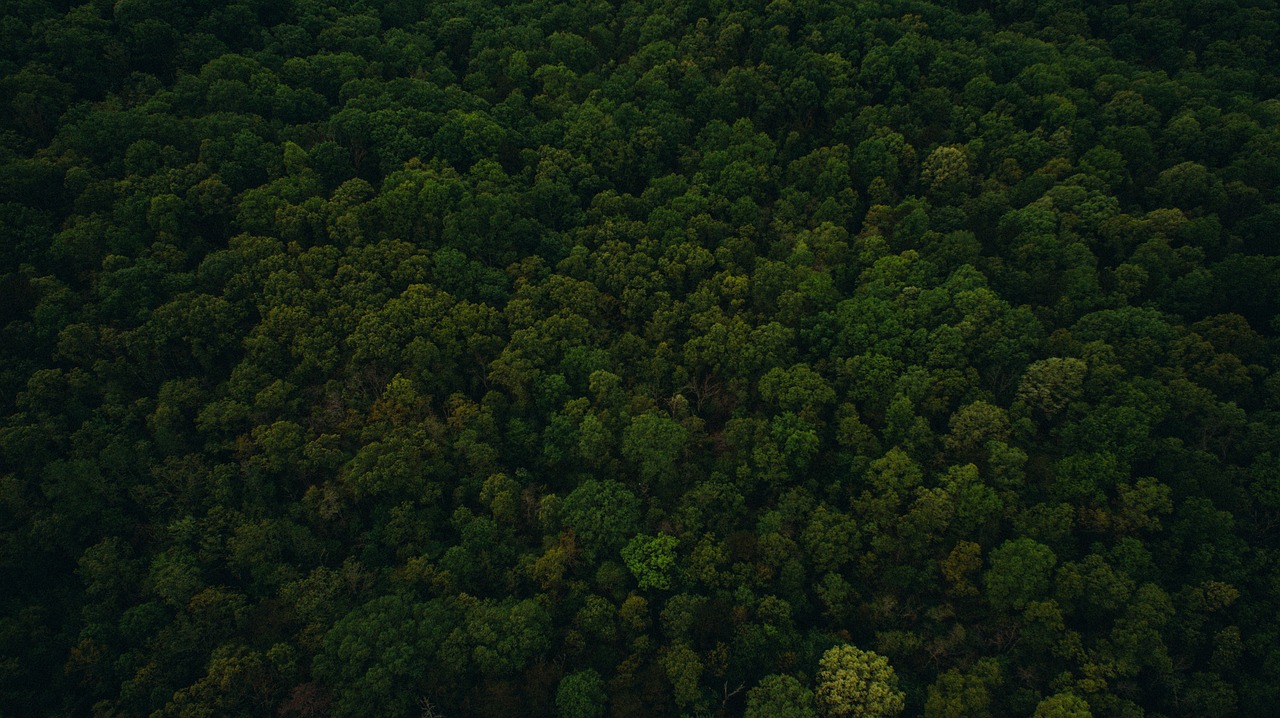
[684, 671]
[964, 694]
[404, 358]
[378, 655]
[581, 695]
[651, 559]
[602, 514]
[1020, 570]
[653, 443]
[854, 682]
[782, 696]
[1063, 705]
[1050, 385]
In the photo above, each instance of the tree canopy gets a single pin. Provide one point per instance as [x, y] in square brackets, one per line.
[689, 357]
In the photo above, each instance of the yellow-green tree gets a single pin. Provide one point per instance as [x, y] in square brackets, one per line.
[854, 682]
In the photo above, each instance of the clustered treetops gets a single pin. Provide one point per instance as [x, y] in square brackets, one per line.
[777, 358]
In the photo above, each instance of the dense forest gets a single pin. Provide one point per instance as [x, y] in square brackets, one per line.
[787, 358]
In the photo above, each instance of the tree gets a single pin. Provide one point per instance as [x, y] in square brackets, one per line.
[684, 670]
[975, 425]
[946, 170]
[377, 657]
[653, 443]
[1063, 705]
[964, 559]
[795, 388]
[496, 638]
[854, 682]
[1050, 385]
[602, 514]
[831, 539]
[963, 694]
[651, 559]
[1020, 571]
[780, 696]
[581, 695]
[1190, 186]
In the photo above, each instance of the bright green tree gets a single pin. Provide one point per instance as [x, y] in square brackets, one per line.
[652, 560]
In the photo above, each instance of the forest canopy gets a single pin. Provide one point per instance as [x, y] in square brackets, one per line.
[617, 358]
